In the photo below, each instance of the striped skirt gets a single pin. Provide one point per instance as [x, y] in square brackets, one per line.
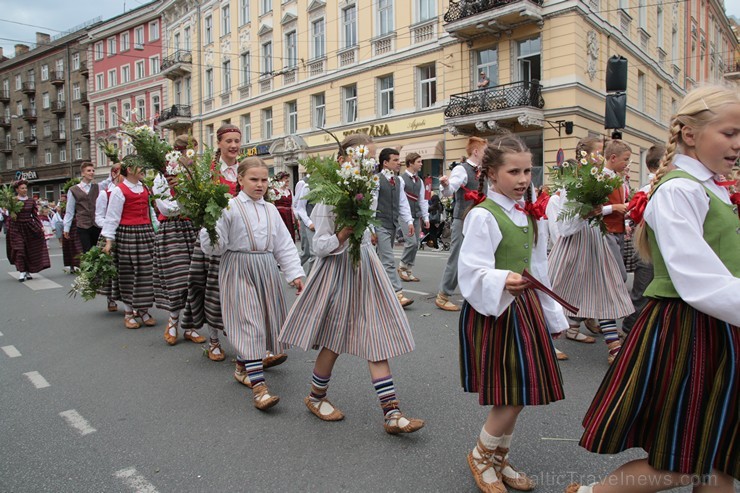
[509, 360]
[26, 246]
[586, 274]
[173, 249]
[349, 310]
[72, 248]
[673, 391]
[630, 255]
[203, 305]
[134, 260]
[252, 302]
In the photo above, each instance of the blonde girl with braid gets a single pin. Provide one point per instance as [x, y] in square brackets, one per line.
[674, 390]
[506, 353]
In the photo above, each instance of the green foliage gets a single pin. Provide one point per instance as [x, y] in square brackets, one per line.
[96, 270]
[110, 150]
[70, 183]
[150, 148]
[9, 201]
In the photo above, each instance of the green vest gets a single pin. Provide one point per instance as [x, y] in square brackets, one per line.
[515, 250]
[721, 232]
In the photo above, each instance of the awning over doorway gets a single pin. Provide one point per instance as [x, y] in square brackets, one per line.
[431, 149]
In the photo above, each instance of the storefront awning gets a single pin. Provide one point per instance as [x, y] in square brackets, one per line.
[432, 149]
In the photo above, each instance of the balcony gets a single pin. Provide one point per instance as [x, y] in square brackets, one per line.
[7, 148]
[484, 109]
[57, 77]
[177, 65]
[4, 122]
[59, 137]
[84, 100]
[733, 73]
[28, 88]
[32, 143]
[316, 67]
[58, 107]
[175, 118]
[84, 71]
[473, 18]
[348, 56]
[85, 130]
[4, 96]
[29, 115]
[290, 77]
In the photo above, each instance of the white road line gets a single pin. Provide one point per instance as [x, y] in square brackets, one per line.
[1, 334]
[11, 351]
[38, 283]
[422, 293]
[37, 380]
[135, 481]
[76, 421]
[55, 255]
[553, 439]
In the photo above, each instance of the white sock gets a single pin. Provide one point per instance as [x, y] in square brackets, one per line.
[128, 308]
[213, 333]
[491, 443]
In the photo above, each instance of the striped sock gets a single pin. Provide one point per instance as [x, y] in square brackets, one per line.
[254, 372]
[609, 329]
[240, 364]
[387, 395]
[319, 385]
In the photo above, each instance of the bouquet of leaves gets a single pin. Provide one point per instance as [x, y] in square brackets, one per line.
[152, 152]
[9, 201]
[96, 270]
[110, 150]
[586, 186]
[349, 189]
[70, 183]
[199, 193]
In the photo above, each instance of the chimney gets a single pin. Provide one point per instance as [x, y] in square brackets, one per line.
[42, 39]
[21, 49]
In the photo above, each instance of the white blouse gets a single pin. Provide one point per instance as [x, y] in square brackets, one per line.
[676, 214]
[325, 241]
[481, 283]
[115, 208]
[166, 204]
[268, 231]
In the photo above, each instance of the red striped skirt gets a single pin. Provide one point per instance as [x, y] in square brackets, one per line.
[27, 246]
[72, 248]
[173, 250]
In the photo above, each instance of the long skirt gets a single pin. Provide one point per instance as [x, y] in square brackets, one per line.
[26, 247]
[173, 250]
[509, 360]
[134, 260]
[349, 310]
[286, 214]
[72, 248]
[585, 273]
[252, 302]
[203, 304]
[673, 391]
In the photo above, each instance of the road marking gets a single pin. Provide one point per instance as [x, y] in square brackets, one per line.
[38, 283]
[11, 351]
[76, 421]
[55, 255]
[135, 481]
[422, 293]
[37, 380]
[1, 334]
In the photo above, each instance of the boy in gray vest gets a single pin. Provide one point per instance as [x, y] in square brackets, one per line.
[392, 207]
[81, 204]
[464, 177]
[302, 209]
[413, 186]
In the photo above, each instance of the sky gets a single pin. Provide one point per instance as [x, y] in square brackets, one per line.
[60, 15]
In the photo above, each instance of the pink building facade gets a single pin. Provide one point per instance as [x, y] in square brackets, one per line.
[711, 44]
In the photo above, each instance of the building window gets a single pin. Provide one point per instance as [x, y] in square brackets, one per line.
[209, 135]
[154, 65]
[125, 73]
[318, 38]
[62, 155]
[246, 121]
[529, 58]
[291, 122]
[111, 46]
[47, 129]
[209, 30]
[112, 116]
[674, 45]
[187, 90]
[209, 83]
[246, 70]
[156, 106]
[76, 61]
[427, 86]
[385, 95]
[265, 6]
[267, 58]
[153, 30]
[349, 23]
[44, 72]
[22, 161]
[291, 50]
[125, 41]
[77, 121]
[78, 151]
[318, 101]
[188, 39]
[112, 78]
[385, 17]
[127, 111]
[486, 61]
[425, 9]
[141, 110]
[99, 82]
[660, 26]
[659, 104]
[641, 14]
[225, 20]
[243, 12]
[18, 82]
[139, 38]
[226, 76]
[99, 50]
[21, 137]
[267, 124]
[140, 70]
[47, 156]
[640, 91]
[45, 100]
[349, 103]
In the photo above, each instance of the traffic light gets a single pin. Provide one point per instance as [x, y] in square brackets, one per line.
[615, 113]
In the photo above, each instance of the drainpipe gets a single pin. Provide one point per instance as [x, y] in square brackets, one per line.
[200, 79]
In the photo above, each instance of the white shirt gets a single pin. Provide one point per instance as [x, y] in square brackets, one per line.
[646, 188]
[458, 178]
[268, 230]
[607, 209]
[166, 204]
[325, 241]
[408, 177]
[115, 208]
[229, 171]
[481, 283]
[297, 193]
[676, 214]
[101, 207]
[404, 211]
[552, 211]
[71, 203]
[300, 205]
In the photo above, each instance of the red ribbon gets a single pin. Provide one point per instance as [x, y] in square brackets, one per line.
[536, 210]
[731, 183]
[538, 285]
[474, 195]
[637, 206]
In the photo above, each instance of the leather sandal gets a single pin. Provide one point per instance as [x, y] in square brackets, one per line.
[263, 400]
[274, 360]
[572, 488]
[487, 462]
[561, 356]
[242, 377]
[614, 349]
[220, 356]
[112, 306]
[391, 425]
[443, 302]
[521, 483]
[169, 338]
[403, 274]
[149, 321]
[574, 334]
[197, 338]
[593, 325]
[130, 322]
[315, 408]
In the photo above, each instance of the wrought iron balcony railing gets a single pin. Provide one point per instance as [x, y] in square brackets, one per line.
[175, 111]
[497, 98]
[180, 56]
[460, 9]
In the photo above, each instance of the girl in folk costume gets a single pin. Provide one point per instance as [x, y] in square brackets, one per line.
[586, 274]
[284, 204]
[45, 218]
[128, 223]
[25, 241]
[349, 309]
[674, 391]
[173, 249]
[101, 208]
[254, 246]
[506, 351]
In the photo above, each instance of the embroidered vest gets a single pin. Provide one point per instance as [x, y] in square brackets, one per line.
[462, 205]
[387, 211]
[413, 192]
[136, 208]
[85, 205]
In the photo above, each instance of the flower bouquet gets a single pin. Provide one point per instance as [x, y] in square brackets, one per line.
[9, 201]
[110, 150]
[96, 270]
[151, 151]
[275, 191]
[586, 186]
[349, 189]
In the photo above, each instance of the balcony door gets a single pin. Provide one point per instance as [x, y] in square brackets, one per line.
[486, 61]
[529, 60]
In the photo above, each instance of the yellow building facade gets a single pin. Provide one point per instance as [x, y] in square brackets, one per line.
[409, 73]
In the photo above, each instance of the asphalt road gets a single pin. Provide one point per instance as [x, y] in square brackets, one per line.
[88, 406]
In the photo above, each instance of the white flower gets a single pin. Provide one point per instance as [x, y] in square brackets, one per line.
[190, 153]
[594, 170]
[579, 185]
[362, 150]
[583, 153]
[600, 177]
[584, 161]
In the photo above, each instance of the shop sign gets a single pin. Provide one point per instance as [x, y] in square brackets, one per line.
[26, 175]
[259, 150]
[372, 131]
